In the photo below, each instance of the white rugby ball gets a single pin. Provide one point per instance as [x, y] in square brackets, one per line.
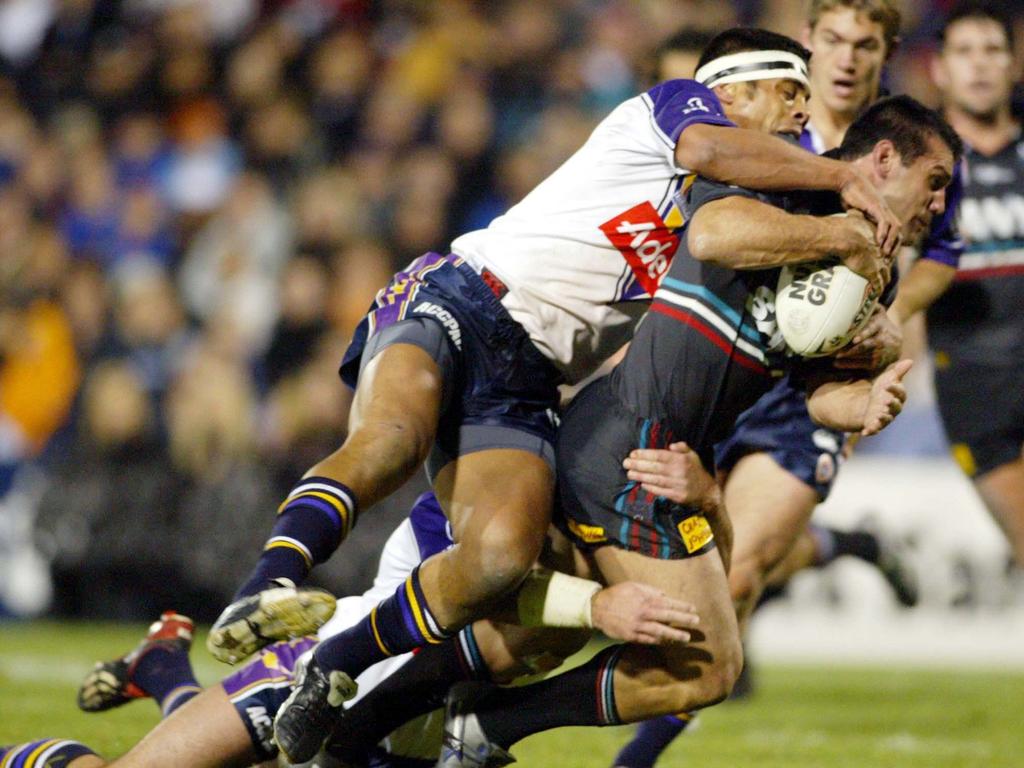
[820, 306]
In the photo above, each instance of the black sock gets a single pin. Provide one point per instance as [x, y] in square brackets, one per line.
[582, 696]
[418, 687]
[856, 543]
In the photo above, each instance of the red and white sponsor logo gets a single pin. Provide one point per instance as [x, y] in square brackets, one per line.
[644, 241]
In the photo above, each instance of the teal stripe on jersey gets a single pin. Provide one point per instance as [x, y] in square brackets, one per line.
[699, 291]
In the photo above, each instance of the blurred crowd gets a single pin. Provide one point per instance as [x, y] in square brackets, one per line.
[199, 199]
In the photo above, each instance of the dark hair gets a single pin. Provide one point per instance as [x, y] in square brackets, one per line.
[904, 121]
[685, 39]
[739, 39]
[979, 9]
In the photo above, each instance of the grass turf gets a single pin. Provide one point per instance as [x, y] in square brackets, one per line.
[807, 717]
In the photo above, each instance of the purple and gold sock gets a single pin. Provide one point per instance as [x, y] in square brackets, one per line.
[311, 523]
[396, 625]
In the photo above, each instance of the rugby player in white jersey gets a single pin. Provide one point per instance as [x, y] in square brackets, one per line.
[977, 329]
[458, 364]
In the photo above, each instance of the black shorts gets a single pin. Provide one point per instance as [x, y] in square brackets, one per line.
[598, 505]
[982, 408]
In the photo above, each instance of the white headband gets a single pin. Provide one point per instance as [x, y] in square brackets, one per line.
[752, 65]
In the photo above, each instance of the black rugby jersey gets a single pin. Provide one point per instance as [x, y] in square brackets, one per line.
[980, 319]
[709, 345]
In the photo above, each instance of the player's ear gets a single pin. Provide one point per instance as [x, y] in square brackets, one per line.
[726, 93]
[884, 158]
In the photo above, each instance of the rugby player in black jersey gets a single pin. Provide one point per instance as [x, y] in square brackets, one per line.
[706, 350]
[976, 330]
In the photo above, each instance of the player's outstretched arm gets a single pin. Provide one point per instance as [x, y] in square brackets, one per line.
[742, 233]
[866, 406]
[757, 160]
[629, 612]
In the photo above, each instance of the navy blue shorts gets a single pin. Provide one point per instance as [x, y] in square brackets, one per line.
[499, 390]
[778, 424]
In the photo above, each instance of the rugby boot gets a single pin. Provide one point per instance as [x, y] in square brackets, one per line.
[110, 683]
[280, 613]
[309, 714]
[893, 565]
[465, 743]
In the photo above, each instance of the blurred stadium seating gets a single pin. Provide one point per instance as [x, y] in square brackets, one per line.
[199, 198]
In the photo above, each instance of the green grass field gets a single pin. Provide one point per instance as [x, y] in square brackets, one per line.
[807, 717]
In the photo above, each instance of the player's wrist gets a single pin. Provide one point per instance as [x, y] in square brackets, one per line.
[553, 599]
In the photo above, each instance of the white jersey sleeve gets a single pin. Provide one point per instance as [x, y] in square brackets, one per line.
[584, 251]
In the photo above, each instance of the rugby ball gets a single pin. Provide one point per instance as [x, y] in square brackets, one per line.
[820, 306]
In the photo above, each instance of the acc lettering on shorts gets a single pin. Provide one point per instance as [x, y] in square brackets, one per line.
[262, 724]
[443, 316]
[696, 532]
[644, 240]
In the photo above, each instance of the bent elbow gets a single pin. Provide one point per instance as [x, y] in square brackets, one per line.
[697, 150]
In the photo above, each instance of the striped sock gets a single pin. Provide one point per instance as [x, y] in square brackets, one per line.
[315, 518]
[582, 696]
[167, 676]
[651, 739]
[43, 753]
[419, 687]
[396, 625]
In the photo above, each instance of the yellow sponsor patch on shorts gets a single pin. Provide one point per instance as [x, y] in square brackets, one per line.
[962, 455]
[591, 534]
[696, 532]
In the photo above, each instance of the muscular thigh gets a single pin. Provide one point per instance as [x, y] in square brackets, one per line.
[699, 580]
[497, 493]
[768, 506]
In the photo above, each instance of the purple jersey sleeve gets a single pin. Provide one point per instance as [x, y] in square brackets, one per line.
[678, 104]
[429, 526]
[944, 243]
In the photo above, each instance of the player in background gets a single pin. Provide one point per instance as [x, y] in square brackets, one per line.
[459, 361]
[976, 330]
[778, 465]
[231, 724]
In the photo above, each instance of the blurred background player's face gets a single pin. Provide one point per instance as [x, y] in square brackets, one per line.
[975, 68]
[774, 106]
[917, 192]
[848, 52]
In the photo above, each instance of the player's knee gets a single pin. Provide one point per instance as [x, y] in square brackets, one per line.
[506, 555]
[745, 578]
